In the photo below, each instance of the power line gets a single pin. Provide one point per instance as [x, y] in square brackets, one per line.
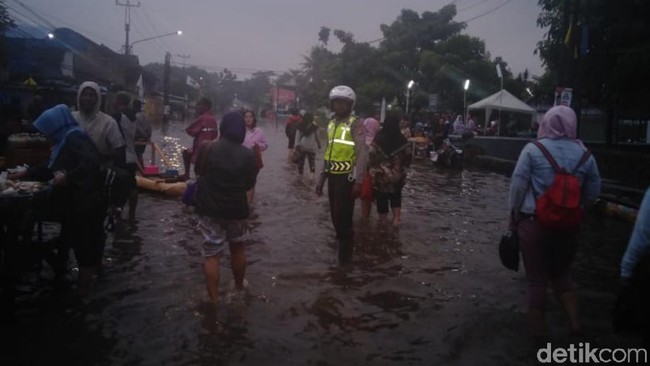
[27, 20]
[157, 41]
[52, 26]
[143, 35]
[155, 30]
[237, 70]
[382, 38]
[30, 10]
[487, 12]
[472, 6]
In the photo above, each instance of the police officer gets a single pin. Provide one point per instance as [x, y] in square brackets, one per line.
[346, 156]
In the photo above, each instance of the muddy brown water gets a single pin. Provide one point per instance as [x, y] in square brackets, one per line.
[431, 292]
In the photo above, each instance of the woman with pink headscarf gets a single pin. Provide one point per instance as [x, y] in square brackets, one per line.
[371, 126]
[548, 254]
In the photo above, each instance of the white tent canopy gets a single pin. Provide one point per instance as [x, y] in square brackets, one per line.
[503, 101]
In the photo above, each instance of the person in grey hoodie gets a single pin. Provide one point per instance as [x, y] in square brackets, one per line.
[101, 127]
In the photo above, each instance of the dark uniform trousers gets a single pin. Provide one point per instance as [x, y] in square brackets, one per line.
[339, 190]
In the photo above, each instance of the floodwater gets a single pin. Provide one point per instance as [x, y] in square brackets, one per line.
[431, 292]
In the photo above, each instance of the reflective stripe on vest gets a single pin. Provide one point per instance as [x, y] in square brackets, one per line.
[339, 154]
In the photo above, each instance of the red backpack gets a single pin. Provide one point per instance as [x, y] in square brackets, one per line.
[559, 207]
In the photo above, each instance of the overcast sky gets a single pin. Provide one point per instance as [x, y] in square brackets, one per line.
[250, 35]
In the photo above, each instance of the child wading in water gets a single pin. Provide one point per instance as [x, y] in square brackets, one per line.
[307, 142]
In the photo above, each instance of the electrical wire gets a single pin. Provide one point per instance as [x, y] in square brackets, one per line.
[487, 12]
[382, 38]
[51, 26]
[236, 70]
[472, 6]
[153, 26]
[157, 41]
[38, 16]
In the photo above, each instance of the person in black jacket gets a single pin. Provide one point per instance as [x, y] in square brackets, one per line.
[75, 171]
[226, 171]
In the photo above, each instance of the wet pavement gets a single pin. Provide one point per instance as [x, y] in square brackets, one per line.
[431, 292]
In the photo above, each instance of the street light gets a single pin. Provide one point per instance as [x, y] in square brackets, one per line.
[408, 95]
[50, 35]
[177, 33]
[465, 87]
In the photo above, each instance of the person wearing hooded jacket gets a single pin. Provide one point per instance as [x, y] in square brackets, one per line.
[346, 156]
[75, 170]
[101, 127]
[226, 171]
[548, 254]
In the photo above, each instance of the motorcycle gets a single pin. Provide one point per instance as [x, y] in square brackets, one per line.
[448, 155]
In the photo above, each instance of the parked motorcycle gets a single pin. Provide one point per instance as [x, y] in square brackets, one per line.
[449, 155]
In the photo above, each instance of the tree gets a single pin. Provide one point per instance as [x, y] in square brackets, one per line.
[343, 36]
[320, 69]
[605, 51]
[6, 22]
[324, 35]
[430, 50]
[426, 48]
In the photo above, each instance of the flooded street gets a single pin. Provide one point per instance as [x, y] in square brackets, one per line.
[431, 292]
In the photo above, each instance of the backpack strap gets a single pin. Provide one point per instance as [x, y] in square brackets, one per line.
[549, 157]
[583, 160]
[556, 167]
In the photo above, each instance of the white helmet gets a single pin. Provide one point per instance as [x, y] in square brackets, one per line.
[343, 92]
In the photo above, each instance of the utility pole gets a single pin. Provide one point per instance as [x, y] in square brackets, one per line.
[186, 74]
[166, 106]
[127, 21]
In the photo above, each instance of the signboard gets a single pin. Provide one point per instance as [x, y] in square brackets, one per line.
[563, 96]
[433, 101]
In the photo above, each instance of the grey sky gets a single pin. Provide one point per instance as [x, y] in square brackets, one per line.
[249, 35]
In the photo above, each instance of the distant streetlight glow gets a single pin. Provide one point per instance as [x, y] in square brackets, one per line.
[408, 95]
[530, 92]
[465, 87]
[50, 35]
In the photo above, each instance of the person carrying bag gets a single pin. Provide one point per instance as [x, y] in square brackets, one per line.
[548, 250]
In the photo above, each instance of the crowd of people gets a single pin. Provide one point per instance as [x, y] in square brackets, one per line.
[366, 159]
[362, 158]
[86, 143]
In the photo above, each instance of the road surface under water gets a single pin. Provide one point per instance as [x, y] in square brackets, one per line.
[431, 292]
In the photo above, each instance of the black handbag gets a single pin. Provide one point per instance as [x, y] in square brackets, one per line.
[509, 250]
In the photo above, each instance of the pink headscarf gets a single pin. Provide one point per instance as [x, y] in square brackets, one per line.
[371, 126]
[560, 121]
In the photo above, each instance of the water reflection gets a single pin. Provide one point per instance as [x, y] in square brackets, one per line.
[223, 335]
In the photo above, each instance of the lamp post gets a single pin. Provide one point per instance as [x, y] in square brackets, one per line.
[465, 87]
[500, 75]
[177, 33]
[408, 95]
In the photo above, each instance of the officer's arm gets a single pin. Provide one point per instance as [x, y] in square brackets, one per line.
[360, 151]
[324, 157]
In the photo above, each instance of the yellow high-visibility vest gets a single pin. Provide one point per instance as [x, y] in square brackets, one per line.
[339, 154]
